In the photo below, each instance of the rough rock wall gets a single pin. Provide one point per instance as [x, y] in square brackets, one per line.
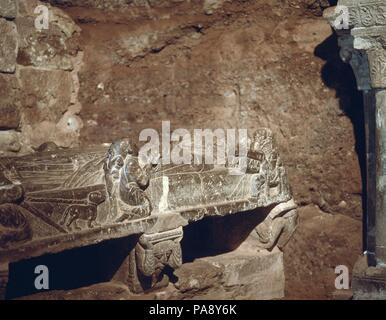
[38, 79]
[225, 64]
[121, 66]
[199, 64]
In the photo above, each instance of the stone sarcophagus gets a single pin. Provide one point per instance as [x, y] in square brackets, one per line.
[55, 200]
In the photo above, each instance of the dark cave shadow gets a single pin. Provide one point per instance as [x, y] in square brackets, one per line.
[86, 266]
[216, 235]
[339, 76]
[71, 269]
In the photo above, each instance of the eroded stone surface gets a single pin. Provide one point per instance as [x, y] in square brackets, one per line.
[9, 142]
[8, 46]
[9, 117]
[211, 5]
[9, 96]
[8, 9]
[53, 48]
[223, 71]
[249, 274]
[46, 93]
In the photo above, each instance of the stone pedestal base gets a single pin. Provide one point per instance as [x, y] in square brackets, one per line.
[245, 273]
[369, 283]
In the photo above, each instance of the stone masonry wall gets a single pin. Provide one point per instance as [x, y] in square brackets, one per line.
[38, 78]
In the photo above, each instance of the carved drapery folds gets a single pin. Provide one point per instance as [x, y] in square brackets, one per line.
[61, 199]
[363, 45]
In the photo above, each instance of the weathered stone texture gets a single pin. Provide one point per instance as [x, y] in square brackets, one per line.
[230, 74]
[9, 94]
[53, 48]
[8, 46]
[49, 63]
[245, 273]
[64, 133]
[9, 102]
[9, 142]
[322, 242]
[212, 5]
[8, 9]
[9, 117]
[46, 94]
[102, 193]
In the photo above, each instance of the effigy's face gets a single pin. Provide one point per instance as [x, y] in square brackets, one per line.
[115, 165]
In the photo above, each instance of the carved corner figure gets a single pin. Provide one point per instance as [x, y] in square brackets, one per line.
[126, 181]
[271, 187]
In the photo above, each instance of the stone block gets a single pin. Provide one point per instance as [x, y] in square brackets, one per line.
[8, 9]
[9, 102]
[46, 94]
[9, 142]
[9, 117]
[245, 273]
[53, 48]
[9, 94]
[8, 46]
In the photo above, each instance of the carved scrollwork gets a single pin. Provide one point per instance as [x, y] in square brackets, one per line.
[377, 60]
[366, 14]
[363, 44]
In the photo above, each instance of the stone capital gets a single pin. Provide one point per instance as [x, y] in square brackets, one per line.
[365, 13]
[361, 28]
[377, 64]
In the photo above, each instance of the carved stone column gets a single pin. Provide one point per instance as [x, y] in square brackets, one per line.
[361, 28]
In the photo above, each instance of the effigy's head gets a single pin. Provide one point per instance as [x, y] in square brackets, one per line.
[116, 157]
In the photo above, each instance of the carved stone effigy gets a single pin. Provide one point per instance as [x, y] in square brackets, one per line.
[361, 29]
[56, 200]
